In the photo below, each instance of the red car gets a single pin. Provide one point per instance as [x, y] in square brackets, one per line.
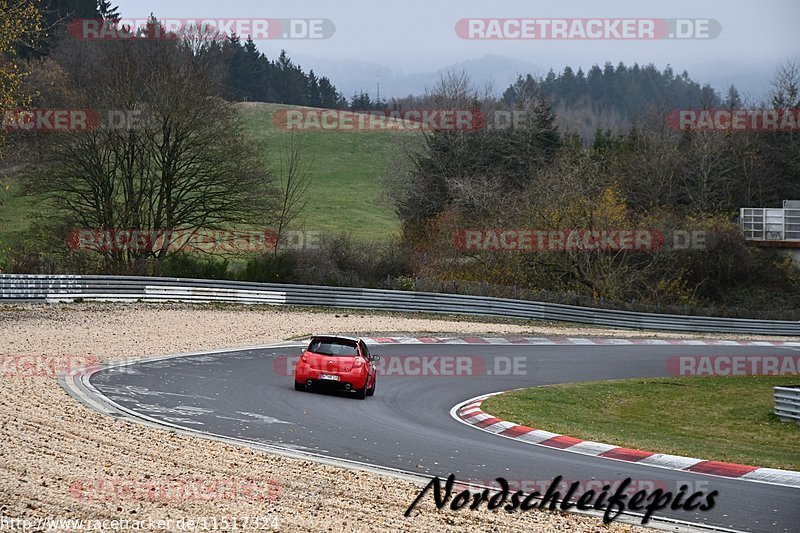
[339, 363]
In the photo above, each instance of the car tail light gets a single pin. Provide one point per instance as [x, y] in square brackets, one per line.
[303, 358]
[358, 362]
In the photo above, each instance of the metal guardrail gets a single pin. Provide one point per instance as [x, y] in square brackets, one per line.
[787, 403]
[59, 288]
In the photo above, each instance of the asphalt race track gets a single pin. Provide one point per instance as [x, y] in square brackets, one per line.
[407, 424]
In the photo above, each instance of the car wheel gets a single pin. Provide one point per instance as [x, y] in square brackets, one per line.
[371, 390]
[362, 392]
[299, 386]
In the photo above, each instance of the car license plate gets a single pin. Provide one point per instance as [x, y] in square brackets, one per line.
[330, 377]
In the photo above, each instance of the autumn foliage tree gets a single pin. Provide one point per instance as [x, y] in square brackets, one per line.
[20, 24]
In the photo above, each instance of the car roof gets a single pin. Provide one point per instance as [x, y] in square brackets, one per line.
[336, 337]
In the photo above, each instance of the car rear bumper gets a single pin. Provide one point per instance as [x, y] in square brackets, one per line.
[347, 380]
[324, 384]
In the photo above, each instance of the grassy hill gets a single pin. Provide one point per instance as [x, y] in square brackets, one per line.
[345, 191]
[344, 194]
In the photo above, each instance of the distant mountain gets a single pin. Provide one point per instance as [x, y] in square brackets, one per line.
[352, 76]
[753, 80]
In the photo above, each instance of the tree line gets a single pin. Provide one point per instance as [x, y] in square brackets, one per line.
[628, 90]
[615, 97]
[248, 74]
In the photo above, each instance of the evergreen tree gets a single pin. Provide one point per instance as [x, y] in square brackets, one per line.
[313, 96]
[628, 91]
[251, 76]
[329, 96]
[56, 15]
[361, 101]
[107, 10]
[732, 99]
[247, 74]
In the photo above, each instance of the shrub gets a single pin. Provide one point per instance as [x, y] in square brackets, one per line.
[191, 266]
[269, 268]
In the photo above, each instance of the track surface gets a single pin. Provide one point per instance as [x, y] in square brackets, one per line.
[407, 424]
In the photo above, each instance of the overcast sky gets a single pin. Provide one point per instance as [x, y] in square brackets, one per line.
[418, 36]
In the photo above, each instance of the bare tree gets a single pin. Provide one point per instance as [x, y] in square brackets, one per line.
[293, 183]
[181, 163]
[710, 173]
[786, 86]
[650, 170]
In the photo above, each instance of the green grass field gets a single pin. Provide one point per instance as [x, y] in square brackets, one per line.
[17, 211]
[719, 418]
[345, 191]
[344, 194]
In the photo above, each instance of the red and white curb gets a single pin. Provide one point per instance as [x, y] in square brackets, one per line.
[470, 413]
[576, 341]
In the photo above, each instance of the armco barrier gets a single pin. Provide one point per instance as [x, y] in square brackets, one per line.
[45, 288]
[787, 403]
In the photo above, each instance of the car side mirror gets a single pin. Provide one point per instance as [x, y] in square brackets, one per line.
[376, 357]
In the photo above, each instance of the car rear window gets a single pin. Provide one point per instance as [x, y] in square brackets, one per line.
[333, 347]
